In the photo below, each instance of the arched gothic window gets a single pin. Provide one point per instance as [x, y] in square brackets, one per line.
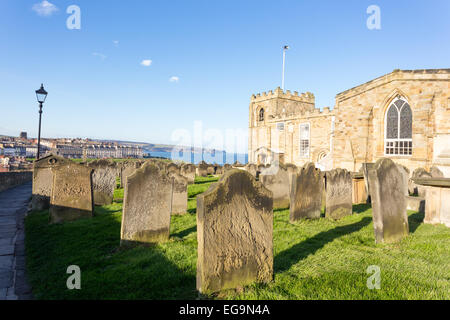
[261, 115]
[398, 128]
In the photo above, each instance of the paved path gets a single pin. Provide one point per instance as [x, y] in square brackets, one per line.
[13, 208]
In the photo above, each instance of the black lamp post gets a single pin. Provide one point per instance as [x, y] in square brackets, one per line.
[41, 95]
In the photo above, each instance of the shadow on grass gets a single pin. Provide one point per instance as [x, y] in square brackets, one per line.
[184, 232]
[361, 207]
[141, 272]
[415, 220]
[285, 259]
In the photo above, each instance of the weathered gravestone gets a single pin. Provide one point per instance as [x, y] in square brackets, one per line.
[72, 196]
[365, 168]
[415, 189]
[210, 169]
[276, 179]
[218, 170]
[338, 203]
[173, 168]
[387, 186]
[306, 193]
[43, 180]
[180, 195]
[436, 172]
[234, 232]
[103, 181]
[147, 206]
[251, 168]
[128, 168]
[188, 171]
[227, 167]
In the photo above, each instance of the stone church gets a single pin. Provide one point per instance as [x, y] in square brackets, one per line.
[403, 115]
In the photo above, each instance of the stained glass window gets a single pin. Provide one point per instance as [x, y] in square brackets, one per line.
[398, 128]
[392, 123]
[406, 122]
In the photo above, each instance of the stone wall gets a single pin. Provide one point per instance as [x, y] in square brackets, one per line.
[360, 119]
[12, 179]
[288, 111]
[353, 132]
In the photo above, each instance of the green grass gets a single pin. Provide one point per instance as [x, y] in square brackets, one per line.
[319, 259]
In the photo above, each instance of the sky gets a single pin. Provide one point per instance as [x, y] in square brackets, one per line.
[140, 70]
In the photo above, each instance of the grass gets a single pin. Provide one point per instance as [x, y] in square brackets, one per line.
[318, 259]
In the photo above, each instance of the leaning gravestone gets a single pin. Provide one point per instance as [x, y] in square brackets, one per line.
[234, 232]
[43, 180]
[147, 206]
[103, 181]
[180, 195]
[387, 187]
[71, 193]
[276, 179]
[338, 203]
[306, 193]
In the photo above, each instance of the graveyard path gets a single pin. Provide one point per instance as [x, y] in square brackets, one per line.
[13, 208]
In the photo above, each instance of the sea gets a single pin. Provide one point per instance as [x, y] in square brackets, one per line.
[219, 157]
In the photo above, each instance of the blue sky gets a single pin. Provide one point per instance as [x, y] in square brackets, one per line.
[220, 51]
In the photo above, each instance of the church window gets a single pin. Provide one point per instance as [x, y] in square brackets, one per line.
[304, 139]
[261, 115]
[398, 128]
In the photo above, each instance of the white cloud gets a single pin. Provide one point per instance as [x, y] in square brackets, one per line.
[116, 43]
[146, 63]
[174, 79]
[45, 8]
[100, 55]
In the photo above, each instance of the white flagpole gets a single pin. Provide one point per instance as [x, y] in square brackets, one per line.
[284, 63]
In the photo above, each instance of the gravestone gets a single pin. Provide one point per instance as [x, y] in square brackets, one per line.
[202, 170]
[227, 167]
[416, 189]
[210, 169]
[365, 168]
[103, 181]
[188, 171]
[292, 170]
[147, 206]
[338, 203]
[359, 194]
[218, 170]
[306, 193]
[387, 186]
[43, 180]
[72, 196]
[234, 233]
[436, 173]
[251, 168]
[128, 167]
[173, 168]
[405, 175]
[180, 195]
[276, 179]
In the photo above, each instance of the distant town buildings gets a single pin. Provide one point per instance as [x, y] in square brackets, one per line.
[14, 151]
